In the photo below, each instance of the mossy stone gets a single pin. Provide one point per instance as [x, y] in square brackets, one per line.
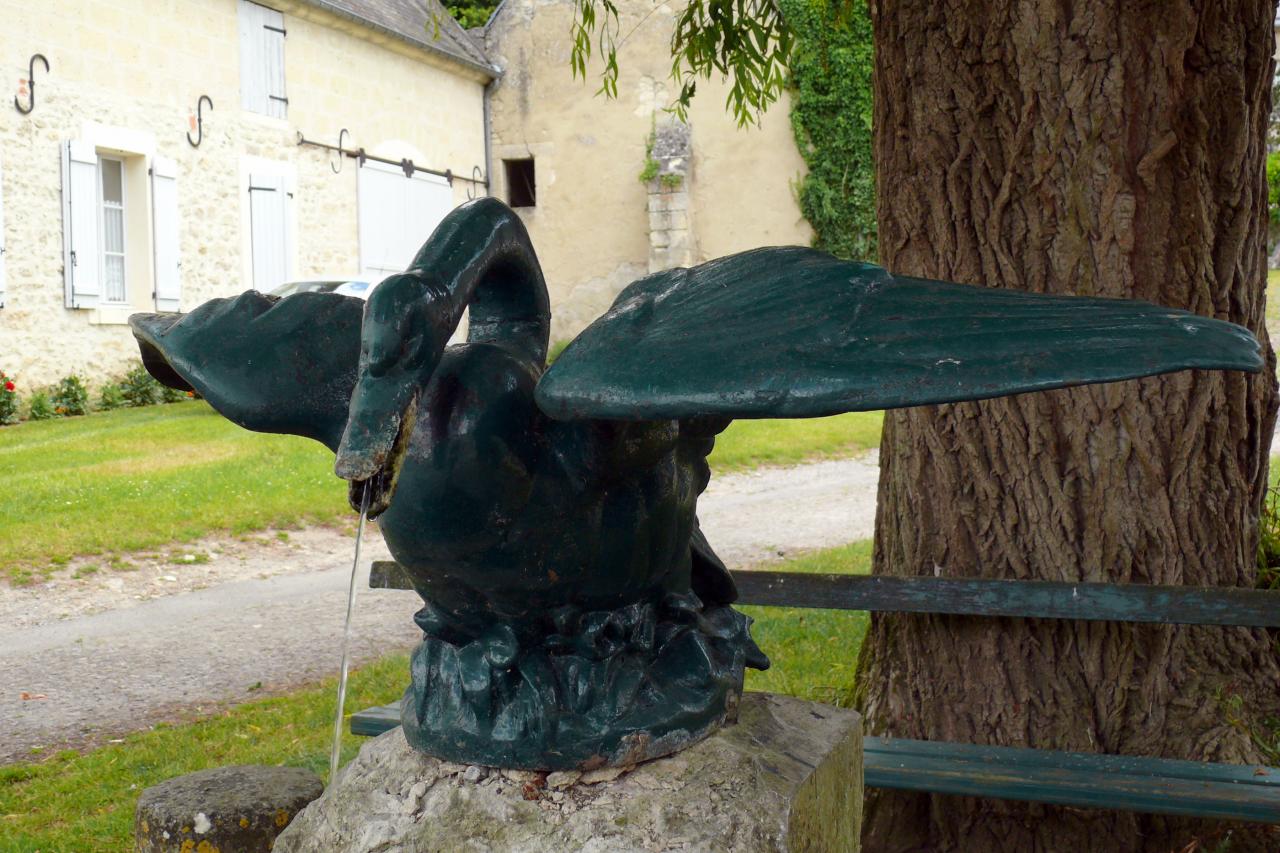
[224, 810]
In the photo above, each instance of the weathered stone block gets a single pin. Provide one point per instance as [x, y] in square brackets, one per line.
[786, 777]
[669, 200]
[227, 809]
[665, 220]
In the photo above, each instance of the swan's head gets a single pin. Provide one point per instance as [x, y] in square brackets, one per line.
[407, 322]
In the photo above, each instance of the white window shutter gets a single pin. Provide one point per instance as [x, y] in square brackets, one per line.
[81, 274]
[268, 230]
[273, 52]
[2, 244]
[253, 65]
[262, 60]
[164, 222]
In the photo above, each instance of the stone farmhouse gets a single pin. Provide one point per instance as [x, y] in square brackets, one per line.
[167, 155]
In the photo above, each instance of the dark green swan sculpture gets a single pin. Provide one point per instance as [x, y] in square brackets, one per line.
[574, 615]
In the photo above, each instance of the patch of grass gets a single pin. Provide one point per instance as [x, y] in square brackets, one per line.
[188, 559]
[143, 478]
[747, 444]
[85, 802]
[813, 652]
[120, 564]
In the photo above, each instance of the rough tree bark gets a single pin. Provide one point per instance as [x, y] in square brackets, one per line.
[1108, 148]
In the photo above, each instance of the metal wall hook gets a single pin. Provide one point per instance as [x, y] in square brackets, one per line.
[195, 143]
[477, 178]
[31, 83]
[342, 134]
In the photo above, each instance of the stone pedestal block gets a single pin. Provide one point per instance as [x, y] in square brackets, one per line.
[786, 777]
[226, 809]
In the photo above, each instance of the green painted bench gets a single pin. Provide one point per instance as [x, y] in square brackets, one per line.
[1159, 785]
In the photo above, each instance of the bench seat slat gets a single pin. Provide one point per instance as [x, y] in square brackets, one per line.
[1129, 765]
[1181, 605]
[372, 722]
[1035, 775]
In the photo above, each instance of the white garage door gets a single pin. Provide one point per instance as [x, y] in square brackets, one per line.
[397, 215]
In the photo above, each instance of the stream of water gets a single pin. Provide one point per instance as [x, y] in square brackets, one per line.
[334, 754]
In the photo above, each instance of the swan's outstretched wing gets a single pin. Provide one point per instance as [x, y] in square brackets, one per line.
[268, 364]
[792, 332]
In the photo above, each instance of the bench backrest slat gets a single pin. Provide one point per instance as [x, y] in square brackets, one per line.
[1178, 605]
[1106, 602]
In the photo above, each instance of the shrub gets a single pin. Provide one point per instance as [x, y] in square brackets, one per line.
[831, 111]
[471, 13]
[69, 397]
[172, 395]
[139, 389]
[40, 408]
[111, 397]
[8, 399]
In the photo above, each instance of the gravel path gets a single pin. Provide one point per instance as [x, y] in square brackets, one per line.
[221, 621]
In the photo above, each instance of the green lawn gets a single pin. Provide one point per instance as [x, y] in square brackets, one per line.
[144, 478]
[813, 652]
[141, 478]
[747, 444]
[84, 802]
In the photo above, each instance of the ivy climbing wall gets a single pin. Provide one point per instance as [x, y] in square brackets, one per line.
[831, 116]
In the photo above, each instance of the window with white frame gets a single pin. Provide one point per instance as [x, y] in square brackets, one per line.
[111, 229]
[120, 253]
[262, 60]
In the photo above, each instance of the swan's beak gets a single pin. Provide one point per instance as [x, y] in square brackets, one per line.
[401, 340]
[376, 440]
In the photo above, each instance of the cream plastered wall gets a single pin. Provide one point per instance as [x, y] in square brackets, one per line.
[135, 69]
[590, 224]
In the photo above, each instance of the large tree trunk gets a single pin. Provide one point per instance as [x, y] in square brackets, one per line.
[1107, 149]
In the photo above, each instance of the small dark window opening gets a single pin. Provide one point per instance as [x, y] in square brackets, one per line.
[522, 188]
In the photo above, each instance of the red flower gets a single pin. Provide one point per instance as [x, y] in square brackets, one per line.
[8, 386]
